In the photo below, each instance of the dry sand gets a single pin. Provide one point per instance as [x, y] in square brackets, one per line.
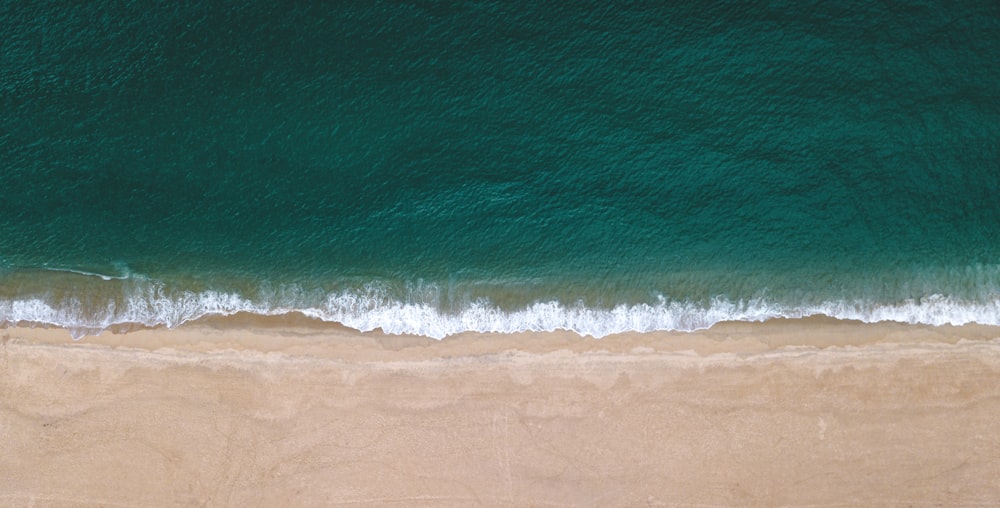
[249, 411]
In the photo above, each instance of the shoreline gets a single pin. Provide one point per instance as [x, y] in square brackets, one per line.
[246, 410]
[296, 333]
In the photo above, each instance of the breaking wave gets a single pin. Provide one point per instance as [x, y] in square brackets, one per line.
[150, 303]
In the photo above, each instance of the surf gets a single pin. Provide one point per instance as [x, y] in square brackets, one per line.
[424, 311]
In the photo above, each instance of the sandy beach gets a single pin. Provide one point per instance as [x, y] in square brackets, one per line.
[246, 411]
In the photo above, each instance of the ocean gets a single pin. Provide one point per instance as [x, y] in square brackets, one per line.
[437, 167]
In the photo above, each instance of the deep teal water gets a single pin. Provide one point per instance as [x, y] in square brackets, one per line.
[433, 167]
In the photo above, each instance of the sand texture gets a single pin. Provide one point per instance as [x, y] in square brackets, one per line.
[251, 412]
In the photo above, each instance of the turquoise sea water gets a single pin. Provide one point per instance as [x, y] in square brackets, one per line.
[435, 167]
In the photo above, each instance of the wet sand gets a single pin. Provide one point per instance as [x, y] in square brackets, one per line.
[246, 411]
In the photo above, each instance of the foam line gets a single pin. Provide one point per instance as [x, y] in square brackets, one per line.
[370, 311]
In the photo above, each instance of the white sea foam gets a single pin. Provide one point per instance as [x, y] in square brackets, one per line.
[121, 267]
[372, 309]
